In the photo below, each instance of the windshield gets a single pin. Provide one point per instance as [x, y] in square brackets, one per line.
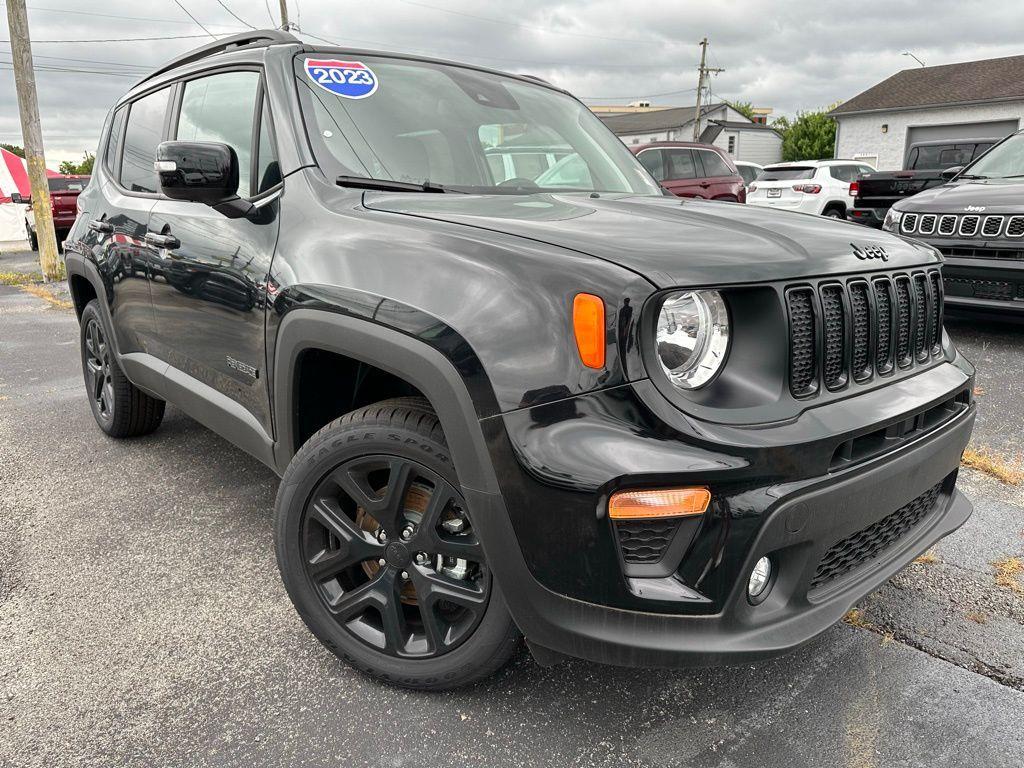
[1005, 160]
[469, 131]
[786, 173]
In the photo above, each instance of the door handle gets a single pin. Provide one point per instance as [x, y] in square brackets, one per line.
[161, 241]
[98, 225]
[705, 184]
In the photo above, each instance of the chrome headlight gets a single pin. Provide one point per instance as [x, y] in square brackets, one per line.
[692, 337]
[892, 220]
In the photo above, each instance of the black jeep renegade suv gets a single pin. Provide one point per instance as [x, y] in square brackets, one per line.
[548, 401]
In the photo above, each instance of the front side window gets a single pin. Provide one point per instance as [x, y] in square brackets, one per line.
[268, 170]
[654, 162]
[143, 134]
[220, 108]
[714, 165]
[465, 129]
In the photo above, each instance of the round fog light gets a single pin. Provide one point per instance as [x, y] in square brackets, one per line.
[757, 587]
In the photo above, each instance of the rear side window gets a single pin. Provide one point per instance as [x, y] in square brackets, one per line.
[652, 160]
[221, 108]
[714, 165]
[680, 164]
[145, 129]
[114, 140]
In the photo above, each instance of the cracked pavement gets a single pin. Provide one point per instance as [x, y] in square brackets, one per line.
[142, 622]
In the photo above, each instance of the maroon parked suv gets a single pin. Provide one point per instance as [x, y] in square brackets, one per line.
[688, 169]
[63, 199]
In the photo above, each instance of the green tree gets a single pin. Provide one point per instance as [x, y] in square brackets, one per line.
[83, 168]
[810, 136]
[745, 108]
[14, 148]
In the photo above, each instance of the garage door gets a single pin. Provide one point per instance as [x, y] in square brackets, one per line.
[991, 130]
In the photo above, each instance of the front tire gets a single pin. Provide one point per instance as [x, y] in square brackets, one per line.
[379, 555]
[121, 409]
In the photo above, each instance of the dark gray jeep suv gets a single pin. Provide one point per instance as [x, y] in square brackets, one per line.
[631, 428]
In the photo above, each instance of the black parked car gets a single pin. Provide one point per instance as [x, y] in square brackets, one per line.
[635, 429]
[977, 221]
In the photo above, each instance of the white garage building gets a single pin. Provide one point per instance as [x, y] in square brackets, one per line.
[972, 100]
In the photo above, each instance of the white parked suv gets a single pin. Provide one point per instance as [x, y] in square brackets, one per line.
[809, 186]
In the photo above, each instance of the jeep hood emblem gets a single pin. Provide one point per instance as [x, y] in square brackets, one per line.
[870, 252]
[974, 208]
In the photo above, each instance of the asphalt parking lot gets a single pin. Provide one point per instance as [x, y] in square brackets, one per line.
[142, 621]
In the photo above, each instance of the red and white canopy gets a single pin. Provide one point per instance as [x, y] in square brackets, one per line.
[14, 176]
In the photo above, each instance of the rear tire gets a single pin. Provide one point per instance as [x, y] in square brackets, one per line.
[33, 241]
[120, 408]
[389, 578]
[833, 213]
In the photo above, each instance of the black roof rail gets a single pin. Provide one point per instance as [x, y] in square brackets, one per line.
[254, 38]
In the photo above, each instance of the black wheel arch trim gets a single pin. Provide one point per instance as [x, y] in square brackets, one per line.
[410, 358]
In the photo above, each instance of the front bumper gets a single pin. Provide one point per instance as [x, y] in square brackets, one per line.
[979, 285]
[568, 602]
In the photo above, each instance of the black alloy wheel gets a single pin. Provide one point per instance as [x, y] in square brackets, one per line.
[388, 548]
[99, 375]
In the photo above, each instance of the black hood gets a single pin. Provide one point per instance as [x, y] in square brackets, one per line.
[671, 241]
[992, 195]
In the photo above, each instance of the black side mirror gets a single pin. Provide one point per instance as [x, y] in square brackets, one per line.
[17, 197]
[949, 173]
[201, 172]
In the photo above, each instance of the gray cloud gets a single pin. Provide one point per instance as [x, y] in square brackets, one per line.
[797, 55]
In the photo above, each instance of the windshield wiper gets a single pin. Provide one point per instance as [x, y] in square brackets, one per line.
[972, 176]
[387, 185]
[1012, 176]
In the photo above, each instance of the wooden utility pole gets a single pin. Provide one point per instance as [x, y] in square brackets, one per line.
[32, 135]
[284, 16]
[704, 71]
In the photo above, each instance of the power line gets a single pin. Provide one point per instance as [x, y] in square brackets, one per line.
[115, 16]
[177, 3]
[139, 67]
[120, 39]
[250, 26]
[507, 23]
[638, 95]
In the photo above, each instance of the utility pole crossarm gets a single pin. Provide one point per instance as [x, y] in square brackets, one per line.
[32, 135]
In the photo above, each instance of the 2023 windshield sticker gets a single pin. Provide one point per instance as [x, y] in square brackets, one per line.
[348, 79]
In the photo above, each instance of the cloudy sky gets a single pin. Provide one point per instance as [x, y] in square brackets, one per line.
[794, 55]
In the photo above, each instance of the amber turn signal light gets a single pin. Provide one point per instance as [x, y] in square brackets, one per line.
[669, 502]
[588, 325]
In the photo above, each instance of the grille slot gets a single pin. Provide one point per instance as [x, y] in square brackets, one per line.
[860, 317]
[969, 225]
[935, 339]
[927, 226]
[903, 358]
[645, 541]
[803, 366]
[883, 310]
[922, 299]
[1015, 226]
[833, 318]
[870, 542]
[947, 225]
[908, 223]
[992, 226]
